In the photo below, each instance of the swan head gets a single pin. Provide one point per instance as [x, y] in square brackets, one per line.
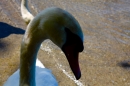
[66, 34]
[63, 30]
[71, 44]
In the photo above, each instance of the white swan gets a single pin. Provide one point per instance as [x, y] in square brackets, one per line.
[61, 28]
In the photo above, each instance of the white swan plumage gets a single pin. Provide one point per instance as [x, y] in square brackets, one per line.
[62, 29]
[43, 77]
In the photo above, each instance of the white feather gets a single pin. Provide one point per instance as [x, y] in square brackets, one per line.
[44, 77]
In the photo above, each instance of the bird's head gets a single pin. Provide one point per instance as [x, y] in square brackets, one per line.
[71, 44]
[67, 34]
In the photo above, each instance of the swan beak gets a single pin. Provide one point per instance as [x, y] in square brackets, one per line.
[72, 57]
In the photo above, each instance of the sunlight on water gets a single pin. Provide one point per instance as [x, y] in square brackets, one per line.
[70, 76]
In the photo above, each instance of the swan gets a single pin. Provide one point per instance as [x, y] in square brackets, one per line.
[62, 29]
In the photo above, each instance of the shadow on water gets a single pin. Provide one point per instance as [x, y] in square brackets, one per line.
[6, 30]
[125, 64]
[2, 44]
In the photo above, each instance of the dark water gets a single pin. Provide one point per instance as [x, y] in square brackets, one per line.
[105, 60]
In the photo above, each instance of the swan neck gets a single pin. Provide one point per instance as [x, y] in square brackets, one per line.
[26, 14]
[27, 63]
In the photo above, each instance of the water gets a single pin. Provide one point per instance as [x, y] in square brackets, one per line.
[106, 28]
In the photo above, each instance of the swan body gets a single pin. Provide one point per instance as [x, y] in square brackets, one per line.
[43, 77]
[61, 28]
